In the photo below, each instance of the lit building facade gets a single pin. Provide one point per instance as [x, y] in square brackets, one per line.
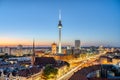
[54, 48]
[19, 49]
[7, 50]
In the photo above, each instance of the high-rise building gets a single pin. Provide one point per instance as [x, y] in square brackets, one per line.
[54, 48]
[60, 28]
[77, 44]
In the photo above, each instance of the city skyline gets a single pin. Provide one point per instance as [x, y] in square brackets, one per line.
[94, 23]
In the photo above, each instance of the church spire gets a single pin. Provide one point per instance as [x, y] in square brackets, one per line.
[33, 47]
[33, 53]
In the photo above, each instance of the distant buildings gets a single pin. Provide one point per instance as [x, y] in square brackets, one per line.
[20, 52]
[7, 50]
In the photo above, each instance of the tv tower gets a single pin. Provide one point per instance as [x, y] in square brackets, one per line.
[60, 28]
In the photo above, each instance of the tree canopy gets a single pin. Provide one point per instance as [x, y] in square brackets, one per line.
[50, 71]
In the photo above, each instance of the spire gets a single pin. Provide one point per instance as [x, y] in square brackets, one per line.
[33, 47]
[33, 54]
[60, 15]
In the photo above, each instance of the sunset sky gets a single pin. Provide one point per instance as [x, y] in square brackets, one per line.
[94, 22]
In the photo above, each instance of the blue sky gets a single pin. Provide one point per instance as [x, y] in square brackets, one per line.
[94, 22]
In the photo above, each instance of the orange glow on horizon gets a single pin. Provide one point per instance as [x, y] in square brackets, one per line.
[24, 42]
[37, 43]
[28, 42]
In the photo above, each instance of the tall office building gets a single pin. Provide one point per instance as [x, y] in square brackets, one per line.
[60, 28]
[54, 48]
[77, 44]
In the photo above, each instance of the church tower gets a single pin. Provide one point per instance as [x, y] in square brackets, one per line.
[33, 54]
[54, 48]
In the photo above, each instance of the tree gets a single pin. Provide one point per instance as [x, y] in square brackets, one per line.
[50, 72]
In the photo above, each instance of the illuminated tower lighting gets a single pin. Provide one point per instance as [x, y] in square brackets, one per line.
[60, 27]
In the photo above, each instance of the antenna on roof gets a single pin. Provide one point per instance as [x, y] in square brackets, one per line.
[59, 14]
